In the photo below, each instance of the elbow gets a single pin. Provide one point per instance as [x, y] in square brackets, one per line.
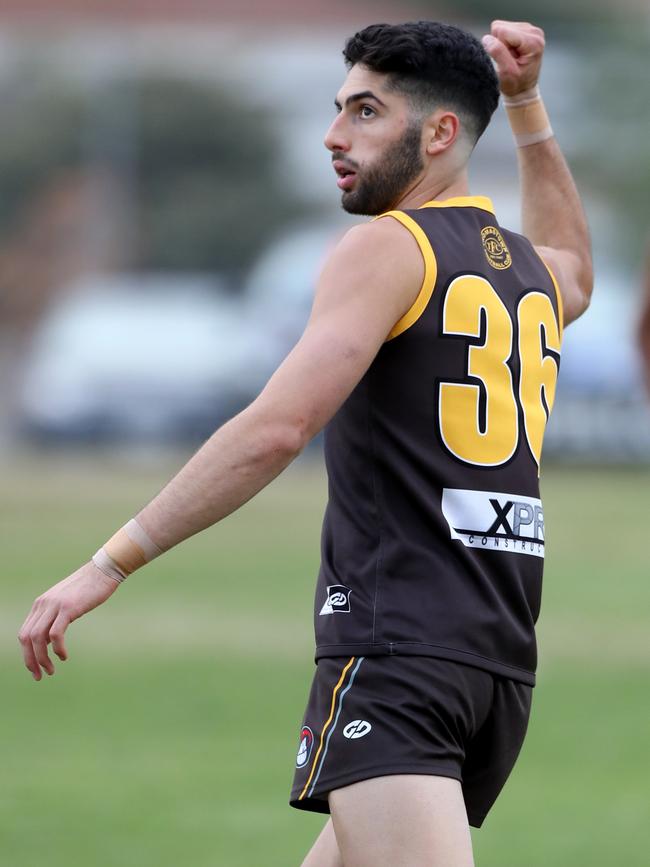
[586, 285]
[279, 441]
[580, 286]
[290, 438]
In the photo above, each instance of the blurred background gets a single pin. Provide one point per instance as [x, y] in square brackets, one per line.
[166, 203]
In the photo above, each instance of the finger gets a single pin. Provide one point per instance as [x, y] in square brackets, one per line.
[28, 653]
[57, 631]
[523, 27]
[39, 635]
[526, 25]
[522, 41]
[24, 637]
[510, 35]
[498, 51]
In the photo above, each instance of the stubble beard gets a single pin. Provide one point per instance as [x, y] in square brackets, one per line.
[380, 186]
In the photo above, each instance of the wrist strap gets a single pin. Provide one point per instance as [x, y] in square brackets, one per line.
[128, 550]
[528, 118]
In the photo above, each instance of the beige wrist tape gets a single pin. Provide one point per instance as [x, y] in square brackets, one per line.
[128, 550]
[528, 117]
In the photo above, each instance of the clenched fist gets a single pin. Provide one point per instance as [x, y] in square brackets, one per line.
[517, 49]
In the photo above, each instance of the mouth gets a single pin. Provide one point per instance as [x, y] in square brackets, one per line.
[346, 176]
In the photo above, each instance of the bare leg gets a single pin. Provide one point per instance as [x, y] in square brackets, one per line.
[325, 851]
[401, 821]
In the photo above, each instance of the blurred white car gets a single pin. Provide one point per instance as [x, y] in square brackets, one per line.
[601, 411]
[150, 356]
[280, 288]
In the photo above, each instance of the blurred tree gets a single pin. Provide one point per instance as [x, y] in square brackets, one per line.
[136, 174]
[195, 166]
[206, 170]
[614, 133]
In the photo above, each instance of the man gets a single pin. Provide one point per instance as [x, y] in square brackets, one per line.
[432, 351]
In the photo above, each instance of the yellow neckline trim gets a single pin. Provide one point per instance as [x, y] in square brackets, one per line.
[482, 202]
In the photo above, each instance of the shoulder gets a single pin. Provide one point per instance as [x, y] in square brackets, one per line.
[387, 239]
[381, 258]
[372, 278]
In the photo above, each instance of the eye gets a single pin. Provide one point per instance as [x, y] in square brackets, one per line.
[367, 111]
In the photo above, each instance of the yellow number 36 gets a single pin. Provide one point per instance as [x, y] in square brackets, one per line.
[479, 417]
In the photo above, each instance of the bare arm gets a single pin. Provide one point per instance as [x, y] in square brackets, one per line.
[363, 291]
[553, 216]
[368, 284]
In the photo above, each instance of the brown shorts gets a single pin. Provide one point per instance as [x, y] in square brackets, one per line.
[376, 716]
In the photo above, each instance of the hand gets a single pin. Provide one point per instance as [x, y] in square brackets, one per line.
[55, 610]
[517, 49]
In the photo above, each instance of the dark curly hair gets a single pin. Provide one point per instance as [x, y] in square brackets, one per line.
[433, 64]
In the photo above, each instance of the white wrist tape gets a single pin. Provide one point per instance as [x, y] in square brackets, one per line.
[128, 550]
[528, 118]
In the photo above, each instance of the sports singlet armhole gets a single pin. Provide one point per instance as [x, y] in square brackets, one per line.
[430, 273]
[560, 304]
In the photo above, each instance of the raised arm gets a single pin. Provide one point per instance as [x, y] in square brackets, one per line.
[369, 282]
[553, 217]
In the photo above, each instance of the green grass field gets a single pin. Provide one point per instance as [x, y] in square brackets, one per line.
[169, 736]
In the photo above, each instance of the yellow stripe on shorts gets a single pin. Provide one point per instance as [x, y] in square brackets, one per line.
[326, 726]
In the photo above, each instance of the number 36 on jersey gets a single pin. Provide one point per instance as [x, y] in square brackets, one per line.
[480, 417]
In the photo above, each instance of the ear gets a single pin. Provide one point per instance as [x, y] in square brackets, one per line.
[441, 131]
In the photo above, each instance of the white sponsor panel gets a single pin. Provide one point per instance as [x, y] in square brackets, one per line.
[491, 520]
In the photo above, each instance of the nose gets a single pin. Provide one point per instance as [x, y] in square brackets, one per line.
[335, 137]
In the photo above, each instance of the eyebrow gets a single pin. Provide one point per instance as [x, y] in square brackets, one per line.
[355, 97]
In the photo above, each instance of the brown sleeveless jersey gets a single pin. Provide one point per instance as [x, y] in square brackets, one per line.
[433, 538]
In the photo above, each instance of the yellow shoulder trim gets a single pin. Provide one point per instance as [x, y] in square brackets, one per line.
[430, 273]
[560, 304]
[482, 202]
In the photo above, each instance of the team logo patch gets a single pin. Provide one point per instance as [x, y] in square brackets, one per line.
[496, 250]
[306, 744]
[510, 523]
[358, 728]
[338, 600]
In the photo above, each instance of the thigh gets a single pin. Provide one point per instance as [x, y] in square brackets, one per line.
[402, 821]
[325, 851]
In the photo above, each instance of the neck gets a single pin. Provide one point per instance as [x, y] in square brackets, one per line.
[429, 190]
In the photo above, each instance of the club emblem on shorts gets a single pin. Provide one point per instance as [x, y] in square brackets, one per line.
[358, 728]
[338, 600]
[304, 750]
[496, 250]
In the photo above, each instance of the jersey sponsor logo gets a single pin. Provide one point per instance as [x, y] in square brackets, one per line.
[496, 249]
[338, 600]
[509, 523]
[358, 728]
[305, 748]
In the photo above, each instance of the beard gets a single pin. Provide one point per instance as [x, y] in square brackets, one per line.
[380, 186]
